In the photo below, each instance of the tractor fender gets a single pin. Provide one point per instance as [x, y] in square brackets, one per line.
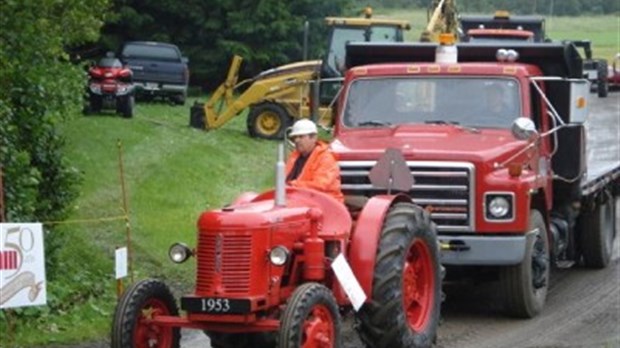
[365, 238]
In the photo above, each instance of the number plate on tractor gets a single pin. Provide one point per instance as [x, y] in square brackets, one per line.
[215, 305]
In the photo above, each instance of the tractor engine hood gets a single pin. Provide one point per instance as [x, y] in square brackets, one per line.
[259, 211]
[253, 215]
[429, 143]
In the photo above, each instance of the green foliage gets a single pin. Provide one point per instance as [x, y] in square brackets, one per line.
[265, 33]
[172, 174]
[40, 86]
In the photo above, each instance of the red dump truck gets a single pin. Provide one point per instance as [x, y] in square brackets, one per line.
[494, 136]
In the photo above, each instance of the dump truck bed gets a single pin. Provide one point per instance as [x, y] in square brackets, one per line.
[603, 144]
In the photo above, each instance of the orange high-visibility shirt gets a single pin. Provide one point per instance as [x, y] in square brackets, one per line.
[321, 171]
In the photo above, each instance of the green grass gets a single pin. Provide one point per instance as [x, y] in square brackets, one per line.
[172, 173]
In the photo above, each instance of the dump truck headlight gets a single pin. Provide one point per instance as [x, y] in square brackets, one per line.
[499, 206]
[278, 255]
[179, 252]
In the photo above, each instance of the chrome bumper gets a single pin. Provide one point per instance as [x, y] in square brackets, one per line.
[484, 250]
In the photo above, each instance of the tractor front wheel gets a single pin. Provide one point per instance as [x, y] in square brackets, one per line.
[268, 121]
[132, 326]
[404, 309]
[311, 319]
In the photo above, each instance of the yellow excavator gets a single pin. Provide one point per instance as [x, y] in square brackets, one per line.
[442, 18]
[279, 96]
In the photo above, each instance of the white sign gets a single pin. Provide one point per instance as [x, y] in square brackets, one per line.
[349, 283]
[22, 265]
[121, 263]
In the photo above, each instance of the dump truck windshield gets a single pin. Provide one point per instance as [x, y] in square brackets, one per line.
[469, 101]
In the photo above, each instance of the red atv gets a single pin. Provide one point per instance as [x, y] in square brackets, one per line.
[110, 86]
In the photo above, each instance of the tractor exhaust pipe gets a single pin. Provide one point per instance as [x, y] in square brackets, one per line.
[280, 198]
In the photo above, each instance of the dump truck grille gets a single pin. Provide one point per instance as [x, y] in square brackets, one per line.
[224, 263]
[446, 189]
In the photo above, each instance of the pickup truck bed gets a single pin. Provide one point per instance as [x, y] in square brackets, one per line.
[158, 68]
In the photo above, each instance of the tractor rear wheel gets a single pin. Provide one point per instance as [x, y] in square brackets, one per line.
[140, 303]
[597, 233]
[525, 285]
[404, 309]
[268, 121]
[311, 319]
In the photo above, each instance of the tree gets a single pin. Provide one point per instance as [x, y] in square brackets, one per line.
[40, 87]
[266, 33]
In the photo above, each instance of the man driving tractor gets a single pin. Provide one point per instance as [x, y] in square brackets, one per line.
[312, 164]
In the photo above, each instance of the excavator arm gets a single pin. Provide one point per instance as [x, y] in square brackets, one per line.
[443, 18]
[274, 84]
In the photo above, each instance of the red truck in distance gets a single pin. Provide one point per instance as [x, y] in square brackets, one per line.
[510, 188]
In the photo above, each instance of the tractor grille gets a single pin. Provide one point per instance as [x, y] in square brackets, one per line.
[446, 189]
[224, 258]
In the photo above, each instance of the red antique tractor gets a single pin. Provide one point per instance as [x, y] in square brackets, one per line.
[267, 276]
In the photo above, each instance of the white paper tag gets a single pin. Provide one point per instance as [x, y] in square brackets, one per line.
[349, 283]
[121, 262]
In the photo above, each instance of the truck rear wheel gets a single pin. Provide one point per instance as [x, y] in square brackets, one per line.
[602, 85]
[268, 121]
[311, 319]
[597, 232]
[141, 302]
[525, 285]
[404, 310]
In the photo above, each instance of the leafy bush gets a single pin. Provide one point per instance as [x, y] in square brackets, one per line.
[40, 85]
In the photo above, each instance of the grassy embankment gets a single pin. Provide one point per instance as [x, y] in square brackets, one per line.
[172, 173]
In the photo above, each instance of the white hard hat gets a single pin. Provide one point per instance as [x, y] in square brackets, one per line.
[303, 127]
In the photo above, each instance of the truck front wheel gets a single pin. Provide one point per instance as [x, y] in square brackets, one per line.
[132, 327]
[404, 310]
[311, 319]
[597, 232]
[525, 285]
